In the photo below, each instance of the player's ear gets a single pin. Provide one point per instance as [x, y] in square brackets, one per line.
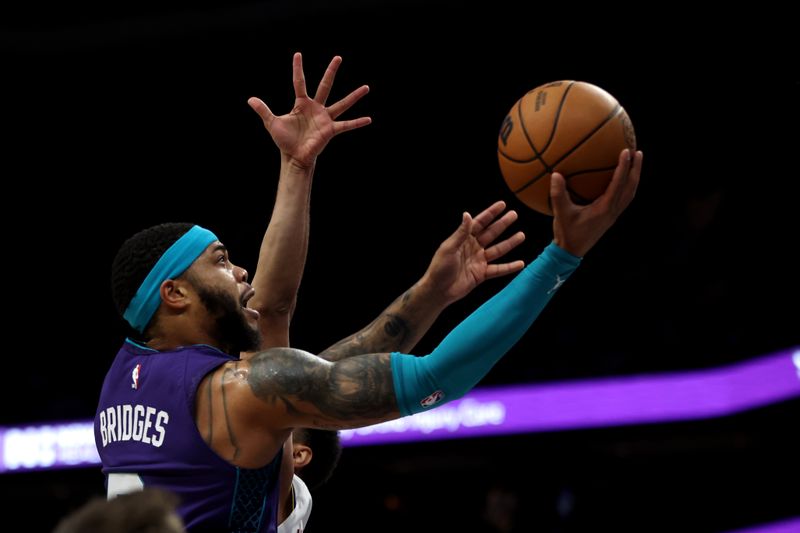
[174, 293]
[301, 455]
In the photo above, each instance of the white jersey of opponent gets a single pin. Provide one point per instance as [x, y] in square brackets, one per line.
[297, 520]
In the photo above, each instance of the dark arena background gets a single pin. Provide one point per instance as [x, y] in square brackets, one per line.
[118, 116]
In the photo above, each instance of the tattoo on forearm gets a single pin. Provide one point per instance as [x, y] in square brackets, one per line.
[358, 389]
[388, 333]
[395, 328]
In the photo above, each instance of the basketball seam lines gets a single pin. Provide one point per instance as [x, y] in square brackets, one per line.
[555, 121]
[527, 136]
[533, 180]
[522, 122]
[519, 112]
[570, 176]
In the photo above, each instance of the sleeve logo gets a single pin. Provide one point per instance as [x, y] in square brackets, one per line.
[433, 399]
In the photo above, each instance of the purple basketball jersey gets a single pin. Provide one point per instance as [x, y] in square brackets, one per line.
[147, 436]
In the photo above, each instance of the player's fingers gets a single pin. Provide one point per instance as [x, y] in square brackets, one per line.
[347, 125]
[499, 226]
[629, 191]
[487, 215]
[347, 102]
[619, 179]
[503, 269]
[456, 239]
[262, 109]
[502, 248]
[559, 199]
[325, 84]
[298, 77]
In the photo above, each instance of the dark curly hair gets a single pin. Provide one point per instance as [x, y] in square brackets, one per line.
[136, 258]
[326, 449]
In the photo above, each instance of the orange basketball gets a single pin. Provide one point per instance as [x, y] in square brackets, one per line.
[571, 127]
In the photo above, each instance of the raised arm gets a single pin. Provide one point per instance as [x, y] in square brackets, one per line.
[461, 263]
[256, 402]
[300, 135]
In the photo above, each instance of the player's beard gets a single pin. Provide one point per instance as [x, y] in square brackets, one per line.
[231, 327]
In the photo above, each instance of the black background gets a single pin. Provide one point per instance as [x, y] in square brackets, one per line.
[118, 117]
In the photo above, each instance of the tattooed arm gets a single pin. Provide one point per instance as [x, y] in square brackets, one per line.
[398, 328]
[461, 263]
[253, 404]
[246, 409]
[351, 393]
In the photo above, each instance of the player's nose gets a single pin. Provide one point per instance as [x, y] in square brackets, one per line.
[241, 274]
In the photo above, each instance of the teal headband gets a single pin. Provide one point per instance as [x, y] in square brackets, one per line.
[171, 264]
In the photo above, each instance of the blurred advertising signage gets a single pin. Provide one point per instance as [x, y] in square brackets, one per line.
[48, 446]
[641, 399]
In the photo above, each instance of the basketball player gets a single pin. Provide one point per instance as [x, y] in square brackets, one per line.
[456, 268]
[281, 263]
[315, 454]
[209, 426]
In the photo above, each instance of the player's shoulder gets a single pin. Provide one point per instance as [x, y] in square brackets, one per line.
[267, 364]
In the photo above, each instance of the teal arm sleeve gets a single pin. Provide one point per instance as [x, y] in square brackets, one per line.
[476, 344]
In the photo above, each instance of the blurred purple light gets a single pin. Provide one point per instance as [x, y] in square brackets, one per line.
[792, 525]
[498, 411]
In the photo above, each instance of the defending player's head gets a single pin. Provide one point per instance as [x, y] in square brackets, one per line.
[323, 446]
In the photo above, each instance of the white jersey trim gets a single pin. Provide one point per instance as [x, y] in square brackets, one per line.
[297, 520]
[123, 484]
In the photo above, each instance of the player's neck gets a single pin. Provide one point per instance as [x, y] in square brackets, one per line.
[165, 345]
[173, 336]
[176, 339]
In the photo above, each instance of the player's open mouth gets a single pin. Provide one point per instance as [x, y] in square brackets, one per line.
[252, 313]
